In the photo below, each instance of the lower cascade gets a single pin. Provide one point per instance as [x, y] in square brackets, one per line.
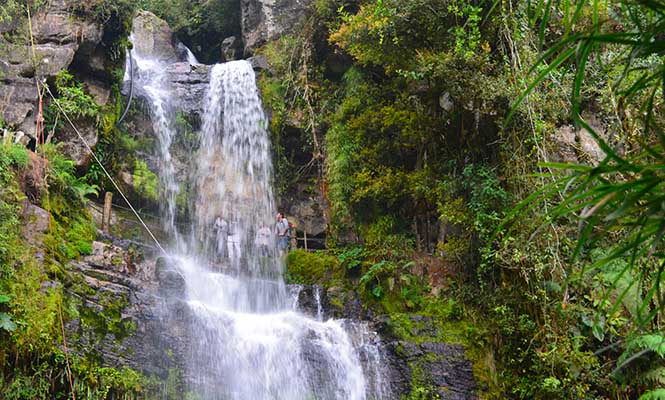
[248, 339]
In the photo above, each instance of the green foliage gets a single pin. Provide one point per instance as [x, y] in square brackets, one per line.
[654, 343]
[12, 156]
[115, 16]
[106, 11]
[73, 99]
[15, 10]
[658, 394]
[31, 363]
[313, 268]
[13, 159]
[62, 178]
[383, 32]
[297, 97]
[146, 182]
[352, 258]
[6, 322]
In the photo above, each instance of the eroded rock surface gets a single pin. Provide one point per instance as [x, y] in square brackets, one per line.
[120, 318]
[58, 37]
[442, 368]
[578, 145]
[264, 20]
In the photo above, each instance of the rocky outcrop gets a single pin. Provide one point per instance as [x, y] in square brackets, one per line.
[189, 83]
[119, 310]
[152, 37]
[573, 145]
[442, 369]
[264, 20]
[36, 224]
[231, 49]
[306, 207]
[58, 37]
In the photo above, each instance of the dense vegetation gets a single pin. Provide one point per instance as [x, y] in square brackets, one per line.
[439, 133]
[40, 293]
[437, 129]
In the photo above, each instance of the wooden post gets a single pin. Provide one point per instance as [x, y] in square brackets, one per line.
[305, 239]
[106, 215]
[294, 239]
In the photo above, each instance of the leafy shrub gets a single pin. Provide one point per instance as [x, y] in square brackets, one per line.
[73, 99]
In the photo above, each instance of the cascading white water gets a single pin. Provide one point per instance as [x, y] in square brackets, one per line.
[188, 55]
[248, 341]
[151, 82]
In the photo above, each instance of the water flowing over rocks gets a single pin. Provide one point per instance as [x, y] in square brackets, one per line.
[246, 339]
[227, 326]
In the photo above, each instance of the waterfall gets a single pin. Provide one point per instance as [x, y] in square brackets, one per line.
[248, 340]
[151, 83]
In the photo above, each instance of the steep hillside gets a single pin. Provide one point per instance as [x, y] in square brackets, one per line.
[478, 182]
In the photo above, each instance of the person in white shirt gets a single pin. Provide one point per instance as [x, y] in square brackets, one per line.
[234, 240]
[222, 235]
[262, 241]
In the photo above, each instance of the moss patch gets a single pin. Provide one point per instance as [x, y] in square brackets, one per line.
[313, 268]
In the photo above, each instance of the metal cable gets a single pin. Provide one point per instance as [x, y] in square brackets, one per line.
[105, 171]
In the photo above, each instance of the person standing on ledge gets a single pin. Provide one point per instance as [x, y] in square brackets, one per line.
[222, 234]
[263, 240]
[282, 228]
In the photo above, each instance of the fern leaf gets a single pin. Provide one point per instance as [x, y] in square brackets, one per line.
[654, 376]
[652, 342]
[658, 394]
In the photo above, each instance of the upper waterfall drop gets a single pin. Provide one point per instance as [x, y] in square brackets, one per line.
[234, 169]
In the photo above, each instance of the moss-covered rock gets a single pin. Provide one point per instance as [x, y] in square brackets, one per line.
[312, 268]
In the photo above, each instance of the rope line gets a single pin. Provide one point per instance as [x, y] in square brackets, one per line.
[87, 146]
[64, 343]
[85, 143]
[42, 173]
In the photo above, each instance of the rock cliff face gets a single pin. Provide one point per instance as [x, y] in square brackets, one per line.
[61, 41]
[120, 284]
[441, 367]
[264, 20]
[125, 292]
[151, 298]
[57, 38]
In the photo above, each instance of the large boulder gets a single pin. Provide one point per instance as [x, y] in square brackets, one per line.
[306, 208]
[153, 38]
[578, 146]
[264, 20]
